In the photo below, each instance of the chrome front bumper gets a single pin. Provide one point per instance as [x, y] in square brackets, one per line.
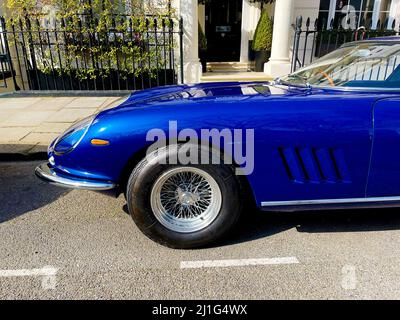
[47, 174]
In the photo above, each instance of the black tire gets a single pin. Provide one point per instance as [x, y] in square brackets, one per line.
[141, 183]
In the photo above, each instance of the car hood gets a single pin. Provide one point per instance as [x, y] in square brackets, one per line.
[231, 90]
[207, 93]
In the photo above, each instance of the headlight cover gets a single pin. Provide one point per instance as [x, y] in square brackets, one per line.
[71, 138]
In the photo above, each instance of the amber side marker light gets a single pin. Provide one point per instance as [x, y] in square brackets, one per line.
[99, 142]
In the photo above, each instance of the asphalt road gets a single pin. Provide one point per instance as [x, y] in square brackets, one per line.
[93, 250]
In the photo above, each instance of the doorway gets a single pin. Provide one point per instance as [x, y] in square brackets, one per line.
[223, 30]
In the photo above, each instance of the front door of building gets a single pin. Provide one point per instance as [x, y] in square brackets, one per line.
[223, 29]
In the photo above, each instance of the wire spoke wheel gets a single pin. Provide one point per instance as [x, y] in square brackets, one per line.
[185, 199]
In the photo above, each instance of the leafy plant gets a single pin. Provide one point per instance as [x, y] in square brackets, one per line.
[263, 1]
[92, 37]
[263, 34]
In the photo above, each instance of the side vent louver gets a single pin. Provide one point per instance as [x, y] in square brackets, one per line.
[315, 165]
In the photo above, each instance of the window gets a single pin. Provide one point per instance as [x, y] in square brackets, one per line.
[351, 14]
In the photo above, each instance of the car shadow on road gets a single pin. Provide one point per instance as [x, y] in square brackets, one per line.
[21, 191]
[258, 224]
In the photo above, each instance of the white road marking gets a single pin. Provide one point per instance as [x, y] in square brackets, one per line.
[237, 262]
[349, 278]
[48, 274]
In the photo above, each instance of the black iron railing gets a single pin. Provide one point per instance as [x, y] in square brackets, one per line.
[316, 40]
[127, 54]
[6, 68]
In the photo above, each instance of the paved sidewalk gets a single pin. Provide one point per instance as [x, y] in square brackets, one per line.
[29, 124]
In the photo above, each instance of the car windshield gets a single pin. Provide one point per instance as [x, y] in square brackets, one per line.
[363, 65]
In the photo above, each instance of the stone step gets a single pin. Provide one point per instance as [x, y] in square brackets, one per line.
[228, 66]
[234, 76]
[229, 63]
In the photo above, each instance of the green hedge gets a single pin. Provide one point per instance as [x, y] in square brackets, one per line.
[263, 34]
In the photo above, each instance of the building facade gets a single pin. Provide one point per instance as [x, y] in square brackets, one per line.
[230, 24]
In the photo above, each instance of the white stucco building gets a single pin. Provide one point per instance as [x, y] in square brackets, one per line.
[230, 24]
[229, 27]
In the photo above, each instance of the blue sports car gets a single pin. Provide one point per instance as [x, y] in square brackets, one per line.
[189, 158]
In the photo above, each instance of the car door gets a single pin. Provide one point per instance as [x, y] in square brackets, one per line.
[384, 177]
[314, 147]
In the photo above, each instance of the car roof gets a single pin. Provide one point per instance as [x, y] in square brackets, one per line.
[386, 38]
[391, 40]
